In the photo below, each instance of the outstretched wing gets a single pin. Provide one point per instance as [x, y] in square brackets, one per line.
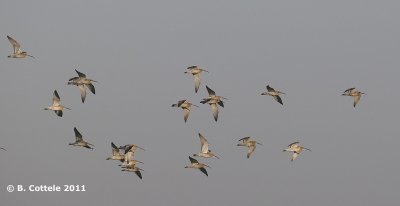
[244, 139]
[250, 151]
[270, 89]
[115, 150]
[82, 89]
[356, 100]
[210, 91]
[214, 110]
[91, 88]
[278, 99]
[15, 44]
[204, 144]
[186, 114]
[56, 97]
[193, 160]
[203, 170]
[80, 74]
[196, 82]
[78, 135]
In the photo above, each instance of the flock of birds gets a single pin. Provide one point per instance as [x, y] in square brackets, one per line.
[125, 154]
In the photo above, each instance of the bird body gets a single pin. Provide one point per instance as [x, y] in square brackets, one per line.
[296, 149]
[274, 93]
[250, 144]
[116, 155]
[213, 100]
[79, 140]
[204, 152]
[197, 165]
[81, 81]
[56, 106]
[186, 106]
[17, 53]
[195, 71]
[352, 92]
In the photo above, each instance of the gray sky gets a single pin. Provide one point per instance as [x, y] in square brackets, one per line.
[138, 51]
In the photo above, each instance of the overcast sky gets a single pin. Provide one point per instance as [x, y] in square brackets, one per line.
[138, 50]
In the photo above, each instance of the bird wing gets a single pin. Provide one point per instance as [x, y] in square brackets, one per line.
[278, 99]
[59, 113]
[210, 91]
[138, 173]
[251, 150]
[78, 135]
[15, 44]
[115, 150]
[181, 102]
[193, 160]
[56, 98]
[196, 82]
[348, 90]
[294, 156]
[80, 74]
[221, 103]
[91, 88]
[293, 144]
[203, 170]
[356, 100]
[82, 89]
[244, 139]
[186, 114]
[270, 89]
[192, 67]
[214, 110]
[204, 144]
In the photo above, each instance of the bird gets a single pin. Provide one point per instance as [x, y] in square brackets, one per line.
[213, 100]
[116, 155]
[195, 71]
[56, 106]
[353, 93]
[136, 170]
[250, 144]
[79, 141]
[129, 162]
[3, 148]
[185, 105]
[130, 148]
[274, 93]
[81, 81]
[296, 149]
[197, 165]
[17, 49]
[205, 152]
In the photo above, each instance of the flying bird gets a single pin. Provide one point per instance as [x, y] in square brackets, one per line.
[136, 170]
[81, 81]
[213, 100]
[296, 149]
[56, 106]
[250, 144]
[197, 165]
[17, 49]
[274, 93]
[116, 155]
[205, 152]
[352, 92]
[195, 71]
[79, 141]
[3, 148]
[185, 105]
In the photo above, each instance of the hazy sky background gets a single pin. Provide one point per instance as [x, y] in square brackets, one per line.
[138, 50]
